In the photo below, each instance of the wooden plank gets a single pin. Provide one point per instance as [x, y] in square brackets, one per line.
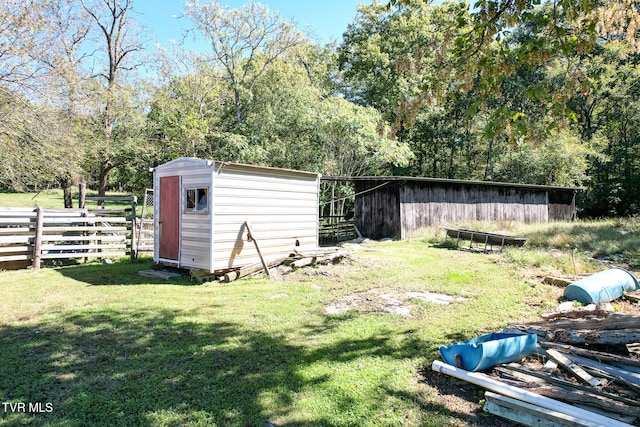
[632, 296]
[110, 198]
[14, 221]
[7, 240]
[245, 271]
[611, 370]
[134, 204]
[37, 243]
[16, 230]
[529, 414]
[8, 258]
[79, 238]
[85, 255]
[87, 220]
[255, 242]
[82, 247]
[89, 229]
[591, 336]
[564, 383]
[612, 322]
[576, 370]
[10, 249]
[597, 355]
[575, 396]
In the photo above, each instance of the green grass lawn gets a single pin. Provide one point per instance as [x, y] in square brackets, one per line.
[53, 199]
[104, 346]
[100, 345]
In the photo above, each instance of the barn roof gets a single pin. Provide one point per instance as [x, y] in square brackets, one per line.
[448, 181]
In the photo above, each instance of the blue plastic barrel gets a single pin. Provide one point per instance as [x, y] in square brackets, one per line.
[489, 350]
[605, 286]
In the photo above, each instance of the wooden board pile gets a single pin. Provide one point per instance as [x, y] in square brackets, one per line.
[294, 261]
[587, 360]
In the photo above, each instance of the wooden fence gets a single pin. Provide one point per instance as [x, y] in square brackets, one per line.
[336, 229]
[30, 235]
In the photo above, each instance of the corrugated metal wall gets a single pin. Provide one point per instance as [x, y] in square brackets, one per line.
[281, 206]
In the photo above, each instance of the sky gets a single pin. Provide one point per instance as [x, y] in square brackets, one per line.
[325, 19]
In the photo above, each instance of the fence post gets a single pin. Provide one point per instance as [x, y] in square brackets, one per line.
[37, 242]
[134, 204]
[82, 195]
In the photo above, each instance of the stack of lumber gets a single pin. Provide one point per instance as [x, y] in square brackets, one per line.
[318, 257]
[586, 372]
[293, 261]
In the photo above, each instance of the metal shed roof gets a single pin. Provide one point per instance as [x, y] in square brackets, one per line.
[448, 181]
[210, 162]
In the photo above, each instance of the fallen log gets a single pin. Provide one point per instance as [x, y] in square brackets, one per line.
[591, 336]
[577, 314]
[612, 322]
[587, 336]
[248, 270]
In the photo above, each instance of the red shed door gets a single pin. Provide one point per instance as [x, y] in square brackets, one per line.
[170, 217]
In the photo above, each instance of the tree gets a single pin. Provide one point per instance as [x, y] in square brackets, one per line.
[186, 107]
[395, 58]
[116, 46]
[41, 59]
[244, 43]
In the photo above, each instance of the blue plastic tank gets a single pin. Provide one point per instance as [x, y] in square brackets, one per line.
[487, 351]
[605, 286]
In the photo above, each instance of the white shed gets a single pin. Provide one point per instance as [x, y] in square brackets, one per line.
[201, 206]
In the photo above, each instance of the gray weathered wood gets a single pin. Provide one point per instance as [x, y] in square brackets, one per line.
[597, 355]
[528, 414]
[252, 237]
[612, 322]
[574, 369]
[37, 242]
[243, 272]
[514, 367]
[576, 396]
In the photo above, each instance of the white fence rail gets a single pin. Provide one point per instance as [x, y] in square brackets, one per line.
[30, 235]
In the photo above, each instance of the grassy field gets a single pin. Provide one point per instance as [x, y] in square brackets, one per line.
[103, 346]
[51, 199]
[95, 344]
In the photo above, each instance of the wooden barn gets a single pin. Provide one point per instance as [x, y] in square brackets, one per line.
[398, 207]
[203, 208]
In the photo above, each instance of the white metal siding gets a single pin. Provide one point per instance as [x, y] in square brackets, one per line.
[280, 205]
[195, 228]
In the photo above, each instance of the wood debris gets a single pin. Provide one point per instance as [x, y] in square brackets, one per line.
[294, 261]
[585, 358]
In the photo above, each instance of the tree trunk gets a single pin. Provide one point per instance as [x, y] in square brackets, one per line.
[105, 168]
[66, 184]
[488, 171]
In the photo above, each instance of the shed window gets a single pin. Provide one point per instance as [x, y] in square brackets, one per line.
[197, 200]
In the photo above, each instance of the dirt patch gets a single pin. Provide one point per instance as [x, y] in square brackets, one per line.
[387, 301]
